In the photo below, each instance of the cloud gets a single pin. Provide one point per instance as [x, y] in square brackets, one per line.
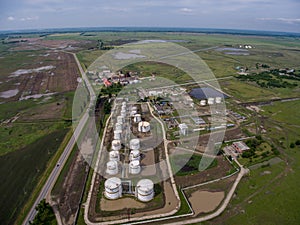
[186, 11]
[29, 18]
[115, 9]
[284, 20]
[11, 18]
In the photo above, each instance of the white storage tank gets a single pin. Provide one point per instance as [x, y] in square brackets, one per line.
[137, 118]
[114, 156]
[116, 145]
[120, 119]
[117, 134]
[132, 113]
[123, 113]
[210, 101]
[113, 188]
[134, 144]
[145, 190]
[112, 167]
[144, 127]
[218, 100]
[118, 126]
[134, 155]
[134, 167]
[203, 102]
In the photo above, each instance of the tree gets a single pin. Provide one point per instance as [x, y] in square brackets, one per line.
[45, 214]
[297, 142]
[292, 145]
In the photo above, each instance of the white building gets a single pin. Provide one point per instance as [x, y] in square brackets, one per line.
[145, 190]
[183, 128]
[113, 188]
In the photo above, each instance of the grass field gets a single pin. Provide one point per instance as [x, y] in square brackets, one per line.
[22, 169]
[272, 197]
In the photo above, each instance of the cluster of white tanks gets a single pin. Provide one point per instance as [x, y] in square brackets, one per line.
[144, 190]
[211, 101]
[134, 156]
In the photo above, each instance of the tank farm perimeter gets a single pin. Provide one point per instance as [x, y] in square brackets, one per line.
[131, 184]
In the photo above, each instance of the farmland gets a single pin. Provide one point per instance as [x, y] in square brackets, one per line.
[38, 81]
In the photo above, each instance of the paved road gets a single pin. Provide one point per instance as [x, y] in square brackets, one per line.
[64, 156]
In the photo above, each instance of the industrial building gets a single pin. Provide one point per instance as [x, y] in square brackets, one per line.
[240, 146]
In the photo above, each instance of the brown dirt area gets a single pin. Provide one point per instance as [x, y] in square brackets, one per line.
[67, 197]
[205, 201]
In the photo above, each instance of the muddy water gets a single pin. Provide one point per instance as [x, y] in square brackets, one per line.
[205, 201]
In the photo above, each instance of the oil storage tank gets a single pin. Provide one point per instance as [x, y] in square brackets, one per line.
[134, 155]
[113, 188]
[137, 118]
[145, 190]
[116, 145]
[112, 167]
[144, 127]
[135, 144]
[134, 167]
[114, 156]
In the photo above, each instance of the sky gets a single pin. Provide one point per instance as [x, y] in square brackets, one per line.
[269, 15]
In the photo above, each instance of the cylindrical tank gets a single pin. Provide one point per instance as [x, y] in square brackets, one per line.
[134, 167]
[203, 102]
[210, 101]
[114, 156]
[137, 118]
[112, 167]
[134, 144]
[218, 100]
[134, 155]
[116, 145]
[144, 127]
[120, 119]
[132, 113]
[123, 113]
[117, 134]
[113, 188]
[145, 190]
[118, 126]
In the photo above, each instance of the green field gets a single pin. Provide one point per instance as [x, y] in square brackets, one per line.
[22, 169]
[272, 197]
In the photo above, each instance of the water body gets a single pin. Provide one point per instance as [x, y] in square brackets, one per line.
[205, 93]
[9, 93]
